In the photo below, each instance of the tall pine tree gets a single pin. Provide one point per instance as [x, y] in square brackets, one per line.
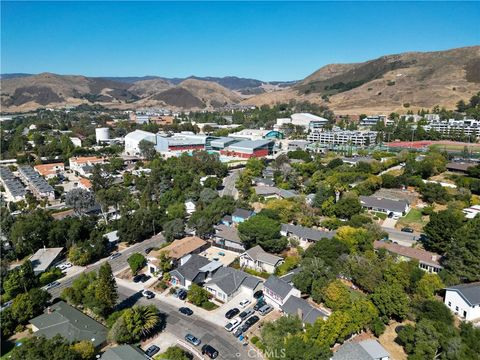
[106, 290]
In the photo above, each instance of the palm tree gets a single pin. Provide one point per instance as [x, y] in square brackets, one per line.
[141, 321]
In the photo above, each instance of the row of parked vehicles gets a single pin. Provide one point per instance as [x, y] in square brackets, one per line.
[240, 322]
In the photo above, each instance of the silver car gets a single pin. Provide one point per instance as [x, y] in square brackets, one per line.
[193, 340]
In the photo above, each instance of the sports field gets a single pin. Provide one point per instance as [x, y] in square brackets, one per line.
[453, 146]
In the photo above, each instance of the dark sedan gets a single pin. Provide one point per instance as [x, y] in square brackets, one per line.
[231, 313]
[152, 350]
[186, 311]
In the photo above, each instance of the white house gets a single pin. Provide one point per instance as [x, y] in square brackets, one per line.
[277, 291]
[228, 282]
[259, 260]
[190, 207]
[397, 207]
[464, 300]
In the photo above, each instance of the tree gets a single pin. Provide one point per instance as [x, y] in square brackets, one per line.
[84, 349]
[428, 285]
[106, 290]
[255, 166]
[176, 211]
[441, 228]
[462, 259]
[356, 239]
[198, 295]
[80, 200]
[36, 348]
[433, 192]
[137, 262]
[135, 324]
[391, 300]
[347, 206]
[173, 353]
[147, 149]
[30, 231]
[173, 229]
[263, 231]
[336, 295]
[28, 305]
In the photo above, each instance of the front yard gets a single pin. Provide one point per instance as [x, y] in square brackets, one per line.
[414, 219]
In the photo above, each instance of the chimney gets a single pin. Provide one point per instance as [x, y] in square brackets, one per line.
[49, 310]
[300, 313]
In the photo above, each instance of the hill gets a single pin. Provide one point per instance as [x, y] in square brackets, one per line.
[400, 82]
[390, 83]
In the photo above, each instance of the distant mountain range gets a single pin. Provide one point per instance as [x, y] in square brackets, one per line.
[401, 82]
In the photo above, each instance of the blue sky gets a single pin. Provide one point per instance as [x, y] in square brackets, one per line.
[267, 41]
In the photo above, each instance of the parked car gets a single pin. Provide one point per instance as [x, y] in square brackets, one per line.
[148, 294]
[148, 250]
[390, 215]
[240, 330]
[192, 340]
[210, 351]
[244, 303]
[141, 278]
[252, 320]
[52, 285]
[260, 303]
[233, 324]
[258, 295]
[186, 311]
[182, 294]
[264, 310]
[152, 350]
[407, 229]
[245, 314]
[115, 255]
[231, 313]
[6, 305]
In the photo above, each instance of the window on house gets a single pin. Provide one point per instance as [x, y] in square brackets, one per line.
[449, 304]
[456, 308]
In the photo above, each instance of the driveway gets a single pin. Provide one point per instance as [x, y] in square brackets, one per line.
[389, 223]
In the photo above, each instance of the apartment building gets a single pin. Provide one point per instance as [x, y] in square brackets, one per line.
[37, 184]
[343, 137]
[468, 127]
[14, 189]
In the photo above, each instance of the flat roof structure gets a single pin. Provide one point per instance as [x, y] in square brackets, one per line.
[44, 258]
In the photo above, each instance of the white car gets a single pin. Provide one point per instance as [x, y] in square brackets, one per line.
[232, 325]
[244, 303]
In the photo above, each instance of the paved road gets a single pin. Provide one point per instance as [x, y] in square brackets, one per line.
[116, 264]
[229, 184]
[179, 325]
[403, 238]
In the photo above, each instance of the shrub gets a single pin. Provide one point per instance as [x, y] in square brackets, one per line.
[136, 261]
[49, 276]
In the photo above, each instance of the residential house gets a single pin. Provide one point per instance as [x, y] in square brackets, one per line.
[428, 261]
[124, 352]
[84, 184]
[228, 282]
[304, 234]
[44, 258]
[272, 192]
[263, 181]
[227, 220]
[176, 251]
[240, 215]
[83, 165]
[471, 211]
[259, 260]
[387, 206]
[194, 270]
[288, 277]
[49, 171]
[227, 237]
[63, 319]
[277, 291]
[363, 350]
[464, 300]
[190, 206]
[296, 306]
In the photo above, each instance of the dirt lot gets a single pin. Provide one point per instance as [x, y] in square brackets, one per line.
[387, 339]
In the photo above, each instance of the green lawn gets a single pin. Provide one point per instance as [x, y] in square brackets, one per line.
[380, 215]
[413, 219]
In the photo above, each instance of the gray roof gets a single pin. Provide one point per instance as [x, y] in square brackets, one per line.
[242, 213]
[265, 181]
[69, 322]
[289, 276]
[272, 190]
[229, 280]
[191, 268]
[43, 258]
[365, 350]
[249, 144]
[228, 233]
[309, 313]
[469, 292]
[257, 253]
[278, 286]
[307, 233]
[382, 203]
[124, 352]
